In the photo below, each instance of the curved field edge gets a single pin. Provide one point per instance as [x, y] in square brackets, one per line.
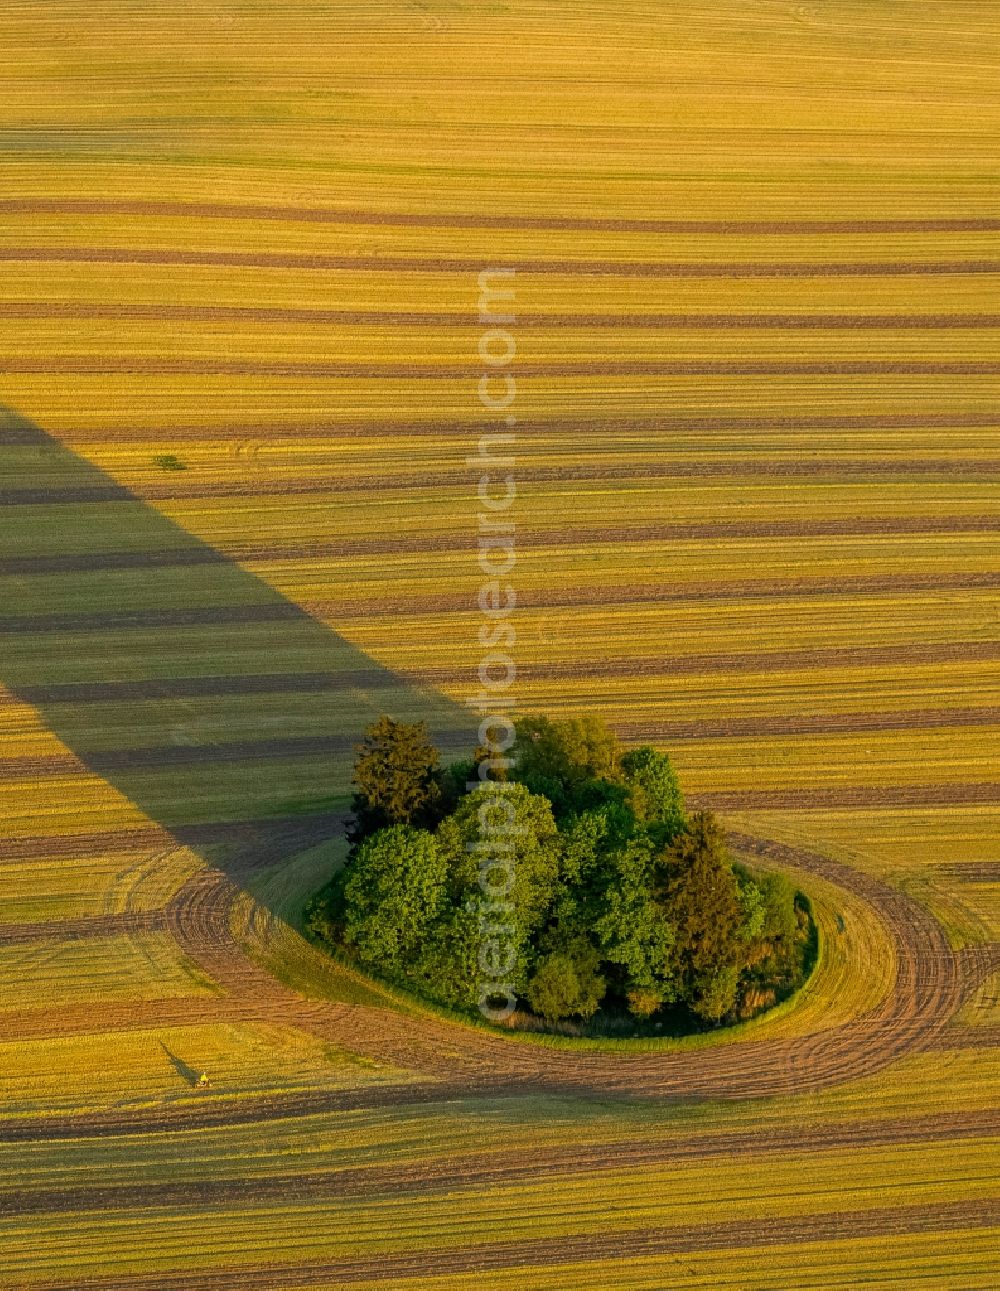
[908, 1000]
[426, 1057]
[852, 970]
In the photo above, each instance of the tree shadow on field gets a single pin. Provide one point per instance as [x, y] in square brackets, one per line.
[185, 1072]
[223, 711]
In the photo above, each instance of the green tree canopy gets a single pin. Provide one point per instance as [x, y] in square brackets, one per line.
[634, 930]
[566, 761]
[577, 884]
[700, 890]
[396, 778]
[567, 983]
[503, 856]
[654, 791]
[393, 894]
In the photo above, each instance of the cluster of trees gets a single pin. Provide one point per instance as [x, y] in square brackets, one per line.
[620, 901]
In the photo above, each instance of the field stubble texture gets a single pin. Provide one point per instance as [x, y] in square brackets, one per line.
[757, 258]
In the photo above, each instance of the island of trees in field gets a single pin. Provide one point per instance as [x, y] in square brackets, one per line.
[626, 914]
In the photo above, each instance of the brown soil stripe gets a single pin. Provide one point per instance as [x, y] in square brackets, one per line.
[176, 755]
[647, 475]
[277, 612]
[161, 559]
[596, 1246]
[248, 834]
[652, 594]
[970, 1037]
[473, 265]
[317, 549]
[971, 871]
[58, 766]
[571, 427]
[752, 661]
[104, 365]
[205, 687]
[633, 533]
[104, 1018]
[89, 493]
[211, 1113]
[71, 846]
[50, 309]
[666, 665]
[760, 589]
[496, 1169]
[170, 755]
[978, 963]
[48, 766]
[898, 795]
[474, 220]
[809, 723]
[83, 928]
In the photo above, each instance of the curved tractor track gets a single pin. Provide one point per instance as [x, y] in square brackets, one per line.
[453, 1060]
[931, 983]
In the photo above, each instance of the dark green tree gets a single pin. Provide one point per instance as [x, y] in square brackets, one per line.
[699, 889]
[778, 895]
[446, 965]
[753, 908]
[715, 991]
[776, 935]
[396, 779]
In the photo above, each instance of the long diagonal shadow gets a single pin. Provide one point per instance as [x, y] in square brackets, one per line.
[216, 706]
[223, 711]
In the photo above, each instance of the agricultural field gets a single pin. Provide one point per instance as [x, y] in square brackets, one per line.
[757, 255]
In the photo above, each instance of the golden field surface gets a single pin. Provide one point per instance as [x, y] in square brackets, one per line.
[757, 255]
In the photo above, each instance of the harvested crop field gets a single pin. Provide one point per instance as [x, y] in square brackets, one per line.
[757, 258]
